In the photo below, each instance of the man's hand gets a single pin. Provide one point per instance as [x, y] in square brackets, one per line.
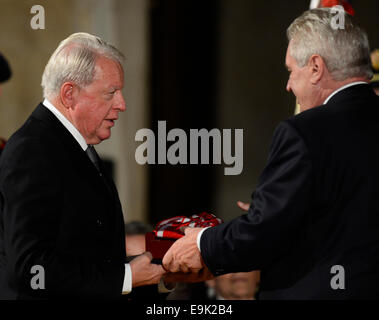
[144, 272]
[243, 205]
[183, 260]
[184, 256]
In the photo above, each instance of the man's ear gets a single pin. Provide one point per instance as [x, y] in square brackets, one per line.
[317, 68]
[68, 94]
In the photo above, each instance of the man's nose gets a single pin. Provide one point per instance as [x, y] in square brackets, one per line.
[121, 105]
[288, 87]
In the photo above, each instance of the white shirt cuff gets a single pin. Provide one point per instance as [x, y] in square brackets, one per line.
[199, 237]
[127, 286]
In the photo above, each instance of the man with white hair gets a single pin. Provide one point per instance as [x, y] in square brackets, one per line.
[61, 224]
[312, 225]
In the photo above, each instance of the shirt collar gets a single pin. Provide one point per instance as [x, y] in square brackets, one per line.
[342, 88]
[67, 124]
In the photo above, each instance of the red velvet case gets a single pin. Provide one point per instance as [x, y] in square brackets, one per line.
[157, 246]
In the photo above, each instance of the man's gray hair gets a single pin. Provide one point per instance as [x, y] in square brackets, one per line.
[346, 52]
[74, 60]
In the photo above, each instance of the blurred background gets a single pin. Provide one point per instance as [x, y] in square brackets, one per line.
[195, 64]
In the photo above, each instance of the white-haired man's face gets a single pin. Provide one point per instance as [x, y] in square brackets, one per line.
[98, 104]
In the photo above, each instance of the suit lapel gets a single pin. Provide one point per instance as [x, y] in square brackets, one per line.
[82, 161]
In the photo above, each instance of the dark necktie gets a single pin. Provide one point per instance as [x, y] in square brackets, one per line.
[94, 157]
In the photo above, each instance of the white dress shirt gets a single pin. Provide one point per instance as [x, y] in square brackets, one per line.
[127, 285]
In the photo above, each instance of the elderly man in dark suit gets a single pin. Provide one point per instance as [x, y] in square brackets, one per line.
[61, 224]
[312, 226]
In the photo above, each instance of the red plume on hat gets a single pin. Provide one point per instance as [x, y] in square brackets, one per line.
[2, 144]
[331, 3]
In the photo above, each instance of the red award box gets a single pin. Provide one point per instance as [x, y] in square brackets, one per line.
[157, 246]
[168, 231]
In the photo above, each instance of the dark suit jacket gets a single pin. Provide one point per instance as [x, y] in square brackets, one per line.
[316, 206]
[56, 211]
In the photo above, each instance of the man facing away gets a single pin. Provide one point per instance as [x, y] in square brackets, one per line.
[61, 224]
[312, 225]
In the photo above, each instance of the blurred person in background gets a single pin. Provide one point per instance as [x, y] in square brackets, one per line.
[234, 286]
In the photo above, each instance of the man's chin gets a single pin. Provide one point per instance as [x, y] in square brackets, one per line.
[99, 138]
[106, 134]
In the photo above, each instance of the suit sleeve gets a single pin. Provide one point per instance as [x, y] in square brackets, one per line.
[278, 210]
[30, 186]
